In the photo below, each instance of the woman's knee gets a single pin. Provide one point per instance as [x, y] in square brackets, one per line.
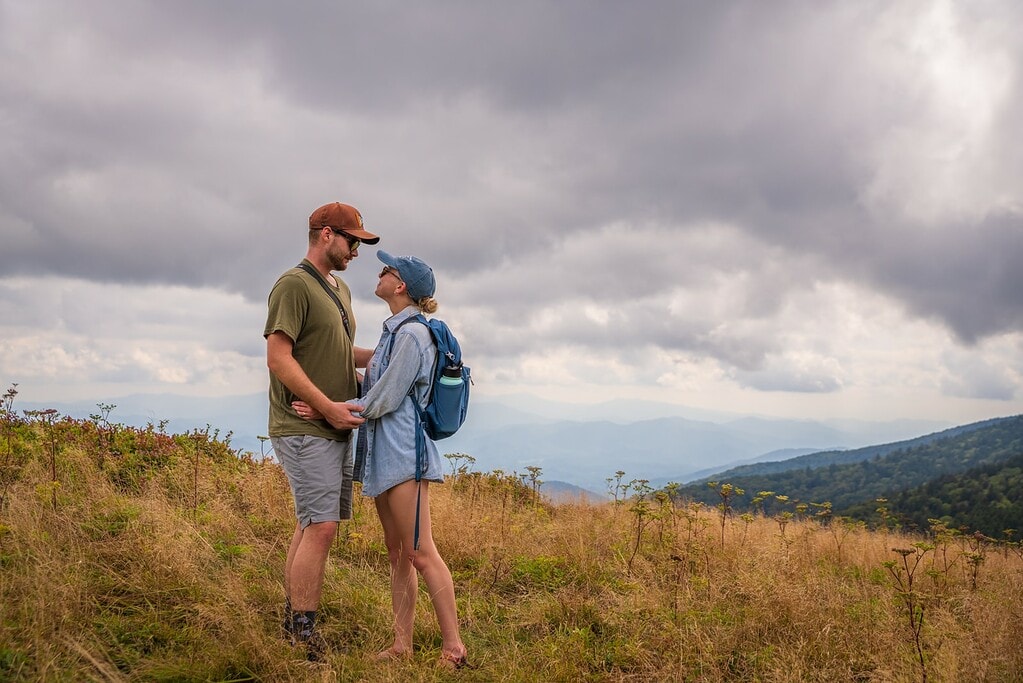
[424, 559]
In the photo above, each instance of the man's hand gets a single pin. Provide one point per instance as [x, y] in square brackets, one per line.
[345, 412]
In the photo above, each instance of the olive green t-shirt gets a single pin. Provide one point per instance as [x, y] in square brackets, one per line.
[299, 308]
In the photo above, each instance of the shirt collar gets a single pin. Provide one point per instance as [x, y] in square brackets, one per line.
[391, 324]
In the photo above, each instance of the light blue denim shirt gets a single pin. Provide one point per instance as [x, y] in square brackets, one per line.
[386, 450]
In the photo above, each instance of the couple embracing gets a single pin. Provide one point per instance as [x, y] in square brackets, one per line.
[315, 408]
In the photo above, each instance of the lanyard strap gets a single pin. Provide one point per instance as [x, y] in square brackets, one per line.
[344, 314]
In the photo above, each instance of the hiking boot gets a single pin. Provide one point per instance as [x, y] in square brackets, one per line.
[315, 647]
[303, 632]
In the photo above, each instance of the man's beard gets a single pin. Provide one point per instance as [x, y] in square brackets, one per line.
[337, 262]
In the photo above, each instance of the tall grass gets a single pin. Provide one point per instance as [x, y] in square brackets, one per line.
[131, 554]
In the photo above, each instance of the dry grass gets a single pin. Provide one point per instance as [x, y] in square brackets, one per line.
[158, 557]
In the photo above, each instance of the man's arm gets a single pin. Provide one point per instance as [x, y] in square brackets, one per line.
[282, 363]
[362, 356]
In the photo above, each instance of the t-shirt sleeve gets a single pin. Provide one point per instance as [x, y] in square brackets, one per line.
[287, 307]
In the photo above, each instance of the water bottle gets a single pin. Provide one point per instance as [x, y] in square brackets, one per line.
[451, 375]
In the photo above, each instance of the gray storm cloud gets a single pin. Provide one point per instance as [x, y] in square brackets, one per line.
[528, 149]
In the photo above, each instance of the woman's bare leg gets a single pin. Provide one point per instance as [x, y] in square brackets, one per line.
[404, 585]
[400, 509]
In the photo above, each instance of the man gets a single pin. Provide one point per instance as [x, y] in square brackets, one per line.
[310, 351]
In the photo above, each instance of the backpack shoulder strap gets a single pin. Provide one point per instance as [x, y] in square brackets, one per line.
[418, 317]
[319, 278]
[420, 429]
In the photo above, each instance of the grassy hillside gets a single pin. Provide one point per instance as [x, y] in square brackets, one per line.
[130, 554]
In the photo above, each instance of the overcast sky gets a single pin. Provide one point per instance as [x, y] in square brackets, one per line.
[809, 209]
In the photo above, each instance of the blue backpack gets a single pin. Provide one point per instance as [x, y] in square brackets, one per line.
[448, 402]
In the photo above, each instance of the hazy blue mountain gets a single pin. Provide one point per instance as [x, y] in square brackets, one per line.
[633, 410]
[580, 444]
[563, 492]
[668, 449]
[773, 456]
[244, 415]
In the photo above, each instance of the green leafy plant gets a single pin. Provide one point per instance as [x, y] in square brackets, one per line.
[461, 463]
[533, 477]
[105, 430]
[978, 544]
[14, 455]
[47, 418]
[726, 493]
[618, 488]
[263, 441]
[641, 509]
[883, 512]
[903, 573]
[840, 528]
[759, 499]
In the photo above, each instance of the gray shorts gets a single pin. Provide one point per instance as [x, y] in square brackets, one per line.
[320, 473]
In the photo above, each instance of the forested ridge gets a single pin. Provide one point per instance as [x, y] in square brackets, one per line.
[845, 457]
[970, 478]
[987, 499]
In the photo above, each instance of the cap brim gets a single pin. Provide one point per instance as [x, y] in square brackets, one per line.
[387, 259]
[363, 236]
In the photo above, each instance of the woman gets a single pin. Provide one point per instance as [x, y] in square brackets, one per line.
[386, 454]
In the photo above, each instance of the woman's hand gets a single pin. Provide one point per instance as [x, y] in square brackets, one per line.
[306, 411]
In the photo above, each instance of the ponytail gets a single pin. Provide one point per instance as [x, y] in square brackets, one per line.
[427, 305]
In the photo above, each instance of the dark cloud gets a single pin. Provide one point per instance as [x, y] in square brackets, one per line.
[967, 275]
[520, 149]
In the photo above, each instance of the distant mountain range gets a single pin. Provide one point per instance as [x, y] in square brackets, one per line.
[581, 445]
[562, 492]
[843, 457]
[586, 445]
[965, 476]
[245, 416]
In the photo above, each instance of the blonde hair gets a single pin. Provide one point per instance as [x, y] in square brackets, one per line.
[427, 305]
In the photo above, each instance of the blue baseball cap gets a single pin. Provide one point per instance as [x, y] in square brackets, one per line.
[417, 276]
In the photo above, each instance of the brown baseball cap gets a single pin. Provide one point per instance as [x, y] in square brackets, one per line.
[341, 217]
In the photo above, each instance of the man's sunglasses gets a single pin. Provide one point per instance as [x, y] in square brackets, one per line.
[353, 242]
